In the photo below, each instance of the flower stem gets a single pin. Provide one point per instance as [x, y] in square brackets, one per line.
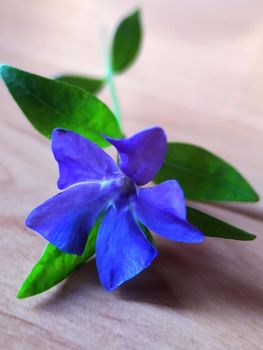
[109, 77]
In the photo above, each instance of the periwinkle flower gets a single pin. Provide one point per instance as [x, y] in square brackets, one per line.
[94, 184]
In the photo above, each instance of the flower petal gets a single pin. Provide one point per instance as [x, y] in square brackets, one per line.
[80, 159]
[66, 219]
[142, 154]
[122, 250]
[162, 209]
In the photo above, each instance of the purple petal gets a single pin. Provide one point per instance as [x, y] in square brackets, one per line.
[80, 159]
[162, 210]
[142, 154]
[66, 219]
[122, 250]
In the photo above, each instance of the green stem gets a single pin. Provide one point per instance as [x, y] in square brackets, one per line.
[110, 78]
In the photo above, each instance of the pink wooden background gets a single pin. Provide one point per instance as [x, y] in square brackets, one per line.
[200, 76]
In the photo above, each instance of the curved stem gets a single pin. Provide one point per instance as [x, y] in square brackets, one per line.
[109, 77]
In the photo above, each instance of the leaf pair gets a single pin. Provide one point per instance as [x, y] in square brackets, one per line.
[67, 101]
[206, 177]
[124, 49]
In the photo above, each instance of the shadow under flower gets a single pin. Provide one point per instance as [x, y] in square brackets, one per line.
[252, 211]
[80, 284]
[195, 277]
[182, 277]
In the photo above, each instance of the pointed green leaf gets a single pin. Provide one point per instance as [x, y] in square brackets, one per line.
[49, 104]
[91, 85]
[204, 176]
[213, 227]
[54, 266]
[126, 42]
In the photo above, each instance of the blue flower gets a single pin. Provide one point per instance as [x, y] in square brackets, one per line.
[94, 184]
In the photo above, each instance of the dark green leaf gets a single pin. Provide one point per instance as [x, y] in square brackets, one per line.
[126, 42]
[91, 85]
[204, 176]
[147, 234]
[213, 227]
[54, 266]
[49, 104]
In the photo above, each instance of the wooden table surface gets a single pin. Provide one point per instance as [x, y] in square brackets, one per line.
[200, 76]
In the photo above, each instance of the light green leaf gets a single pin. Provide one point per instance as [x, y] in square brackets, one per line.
[204, 176]
[213, 227]
[54, 266]
[126, 42]
[91, 85]
[49, 104]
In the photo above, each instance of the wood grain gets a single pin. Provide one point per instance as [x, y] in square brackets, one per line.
[200, 76]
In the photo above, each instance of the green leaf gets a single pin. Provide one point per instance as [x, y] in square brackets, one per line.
[126, 42]
[91, 85]
[54, 266]
[49, 104]
[213, 227]
[147, 233]
[204, 176]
